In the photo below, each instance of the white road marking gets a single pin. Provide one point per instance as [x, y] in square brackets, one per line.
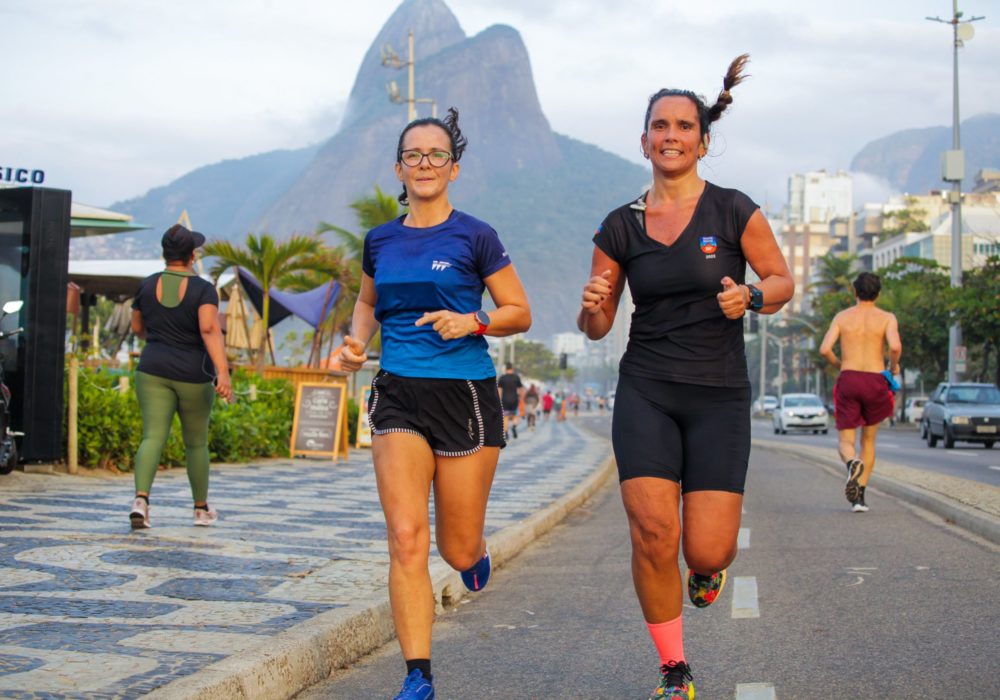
[755, 691]
[889, 444]
[743, 539]
[995, 467]
[962, 453]
[745, 597]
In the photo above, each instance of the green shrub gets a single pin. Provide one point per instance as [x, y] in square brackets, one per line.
[109, 425]
[352, 421]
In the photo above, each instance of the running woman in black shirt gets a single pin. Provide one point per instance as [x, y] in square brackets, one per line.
[681, 426]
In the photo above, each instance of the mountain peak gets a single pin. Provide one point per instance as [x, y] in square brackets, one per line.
[434, 28]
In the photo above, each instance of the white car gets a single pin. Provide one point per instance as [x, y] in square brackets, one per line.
[769, 404]
[800, 412]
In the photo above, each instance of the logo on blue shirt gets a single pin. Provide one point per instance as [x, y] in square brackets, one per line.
[440, 265]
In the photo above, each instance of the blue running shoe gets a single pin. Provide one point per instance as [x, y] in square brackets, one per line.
[476, 578]
[416, 687]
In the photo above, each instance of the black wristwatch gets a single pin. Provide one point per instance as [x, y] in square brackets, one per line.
[756, 298]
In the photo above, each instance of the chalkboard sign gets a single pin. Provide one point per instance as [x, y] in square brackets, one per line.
[320, 424]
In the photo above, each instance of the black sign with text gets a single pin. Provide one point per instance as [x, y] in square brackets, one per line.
[317, 418]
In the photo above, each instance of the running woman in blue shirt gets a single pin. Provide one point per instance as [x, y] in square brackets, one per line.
[435, 410]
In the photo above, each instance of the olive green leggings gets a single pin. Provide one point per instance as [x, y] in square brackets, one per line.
[159, 399]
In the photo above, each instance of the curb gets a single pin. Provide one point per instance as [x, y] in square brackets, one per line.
[282, 666]
[969, 518]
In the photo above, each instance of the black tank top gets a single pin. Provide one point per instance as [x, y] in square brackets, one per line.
[174, 347]
[678, 331]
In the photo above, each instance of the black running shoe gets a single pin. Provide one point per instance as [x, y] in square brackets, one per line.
[859, 506]
[855, 468]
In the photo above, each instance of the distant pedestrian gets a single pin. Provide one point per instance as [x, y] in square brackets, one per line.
[681, 426]
[177, 313]
[435, 415]
[511, 390]
[548, 401]
[559, 407]
[863, 396]
[531, 400]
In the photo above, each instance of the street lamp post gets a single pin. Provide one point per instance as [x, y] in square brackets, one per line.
[953, 170]
[391, 59]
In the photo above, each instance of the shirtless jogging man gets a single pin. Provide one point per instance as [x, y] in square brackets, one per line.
[862, 396]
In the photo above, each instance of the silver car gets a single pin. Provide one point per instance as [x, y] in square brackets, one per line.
[962, 412]
[800, 412]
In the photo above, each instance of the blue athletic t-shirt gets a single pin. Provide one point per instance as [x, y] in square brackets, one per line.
[440, 268]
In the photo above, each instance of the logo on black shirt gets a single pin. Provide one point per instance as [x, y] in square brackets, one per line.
[708, 245]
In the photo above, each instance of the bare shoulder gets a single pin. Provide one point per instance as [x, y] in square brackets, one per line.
[887, 315]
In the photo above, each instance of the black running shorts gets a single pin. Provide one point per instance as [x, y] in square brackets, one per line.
[456, 417]
[698, 436]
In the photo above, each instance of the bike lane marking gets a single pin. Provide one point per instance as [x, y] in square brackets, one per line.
[755, 691]
[743, 539]
[745, 598]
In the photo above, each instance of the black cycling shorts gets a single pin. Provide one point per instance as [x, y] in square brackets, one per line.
[457, 417]
[698, 436]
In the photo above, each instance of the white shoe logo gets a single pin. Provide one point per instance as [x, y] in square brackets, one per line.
[440, 265]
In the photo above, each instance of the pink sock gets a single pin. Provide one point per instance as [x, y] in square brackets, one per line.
[669, 639]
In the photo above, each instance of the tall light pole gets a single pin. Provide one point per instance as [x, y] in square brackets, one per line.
[391, 59]
[953, 170]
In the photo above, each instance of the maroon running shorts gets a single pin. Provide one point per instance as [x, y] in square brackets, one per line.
[861, 398]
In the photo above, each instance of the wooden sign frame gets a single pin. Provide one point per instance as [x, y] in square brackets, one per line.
[340, 438]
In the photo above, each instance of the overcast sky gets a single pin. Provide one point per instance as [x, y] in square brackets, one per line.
[113, 97]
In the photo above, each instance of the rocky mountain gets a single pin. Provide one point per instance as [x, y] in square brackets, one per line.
[543, 192]
[911, 160]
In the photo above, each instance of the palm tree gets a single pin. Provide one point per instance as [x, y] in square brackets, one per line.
[268, 261]
[371, 211]
[835, 273]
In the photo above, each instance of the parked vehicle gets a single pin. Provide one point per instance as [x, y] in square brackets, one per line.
[8, 446]
[800, 412]
[963, 412]
[913, 410]
[769, 404]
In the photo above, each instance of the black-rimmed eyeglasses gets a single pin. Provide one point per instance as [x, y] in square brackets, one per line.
[413, 159]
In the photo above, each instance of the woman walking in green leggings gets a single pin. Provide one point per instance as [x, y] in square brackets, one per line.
[177, 313]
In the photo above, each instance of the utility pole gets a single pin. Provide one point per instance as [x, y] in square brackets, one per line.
[953, 170]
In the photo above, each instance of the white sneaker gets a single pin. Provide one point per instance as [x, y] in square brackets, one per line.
[140, 514]
[204, 518]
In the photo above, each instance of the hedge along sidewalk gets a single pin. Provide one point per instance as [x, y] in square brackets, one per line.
[109, 423]
[971, 505]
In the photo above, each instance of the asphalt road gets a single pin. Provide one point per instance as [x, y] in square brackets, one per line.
[902, 445]
[889, 604]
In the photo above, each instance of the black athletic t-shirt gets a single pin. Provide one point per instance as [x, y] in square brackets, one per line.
[174, 347]
[509, 384]
[678, 331]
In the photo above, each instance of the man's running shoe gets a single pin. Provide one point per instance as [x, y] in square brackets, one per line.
[476, 578]
[204, 518]
[675, 682]
[139, 516]
[855, 468]
[703, 590]
[859, 506]
[416, 687]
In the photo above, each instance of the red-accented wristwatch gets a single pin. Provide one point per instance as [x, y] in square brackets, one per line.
[483, 319]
